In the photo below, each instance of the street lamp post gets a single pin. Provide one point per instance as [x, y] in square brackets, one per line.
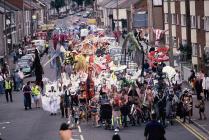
[5, 49]
[170, 34]
[117, 15]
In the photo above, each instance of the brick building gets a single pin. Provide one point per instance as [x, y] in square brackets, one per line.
[189, 29]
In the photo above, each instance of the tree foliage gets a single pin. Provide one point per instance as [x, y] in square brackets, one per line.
[87, 2]
[57, 4]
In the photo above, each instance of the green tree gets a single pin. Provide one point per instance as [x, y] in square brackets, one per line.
[87, 2]
[52, 4]
[57, 4]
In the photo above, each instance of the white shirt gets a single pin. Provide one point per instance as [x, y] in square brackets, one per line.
[177, 78]
[205, 83]
[21, 75]
[1, 78]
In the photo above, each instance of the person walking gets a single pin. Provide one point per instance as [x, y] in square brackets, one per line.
[46, 47]
[198, 87]
[201, 107]
[8, 89]
[1, 83]
[205, 86]
[61, 95]
[27, 96]
[53, 101]
[67, 101]
[36, 92]
[21, 77]
[154, 130]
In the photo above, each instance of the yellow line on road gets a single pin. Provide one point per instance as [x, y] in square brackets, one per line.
[192, 130]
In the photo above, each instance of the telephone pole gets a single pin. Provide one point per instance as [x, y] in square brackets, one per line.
[171, 59]
[117, 15]
[150, 19]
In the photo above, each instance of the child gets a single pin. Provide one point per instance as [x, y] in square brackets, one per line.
[201, 107]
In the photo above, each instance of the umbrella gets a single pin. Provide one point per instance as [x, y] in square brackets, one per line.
[170, 71]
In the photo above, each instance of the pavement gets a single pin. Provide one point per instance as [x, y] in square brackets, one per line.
[203, 125]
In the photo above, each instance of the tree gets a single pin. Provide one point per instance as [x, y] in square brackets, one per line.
[52, 4]
[57, 4]
[87, 2]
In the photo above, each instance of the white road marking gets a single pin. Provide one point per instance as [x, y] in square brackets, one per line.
[82, 138]
[79, 129]
[3, 127]
[4, 123]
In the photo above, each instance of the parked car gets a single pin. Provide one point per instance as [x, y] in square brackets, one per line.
[30, 51]
[32, 55]
[78, 14]
[29, 57]
[71, 13]
[26, 69]
[85, 16]
[23, 61]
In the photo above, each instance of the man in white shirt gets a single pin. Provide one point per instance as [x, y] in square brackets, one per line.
[21, 76]
[205, 86]
[177, 78]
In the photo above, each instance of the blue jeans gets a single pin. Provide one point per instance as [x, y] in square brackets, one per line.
[1, 87]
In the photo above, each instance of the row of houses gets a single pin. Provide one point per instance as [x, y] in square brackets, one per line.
[186, 23]
[19, 19]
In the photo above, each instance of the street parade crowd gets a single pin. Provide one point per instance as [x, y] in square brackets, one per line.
[92, 87]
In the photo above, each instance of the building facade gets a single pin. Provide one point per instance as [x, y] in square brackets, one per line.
[189, 30]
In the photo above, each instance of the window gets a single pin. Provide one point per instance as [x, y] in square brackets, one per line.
[198, 22]
[177, 19]
[166, 18]
[183, 20]
[167, 39]
[173, 19]
[194, 49]
[157, 2]
[174, 42]
[193, 21]
[206, 23]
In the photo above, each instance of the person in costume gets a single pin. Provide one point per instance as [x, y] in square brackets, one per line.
[53, 100]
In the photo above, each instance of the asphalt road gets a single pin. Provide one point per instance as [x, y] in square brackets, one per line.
[36, 124]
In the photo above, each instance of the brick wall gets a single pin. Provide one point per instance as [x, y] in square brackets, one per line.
[178, 26]
[201, 38]
[17, 3]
